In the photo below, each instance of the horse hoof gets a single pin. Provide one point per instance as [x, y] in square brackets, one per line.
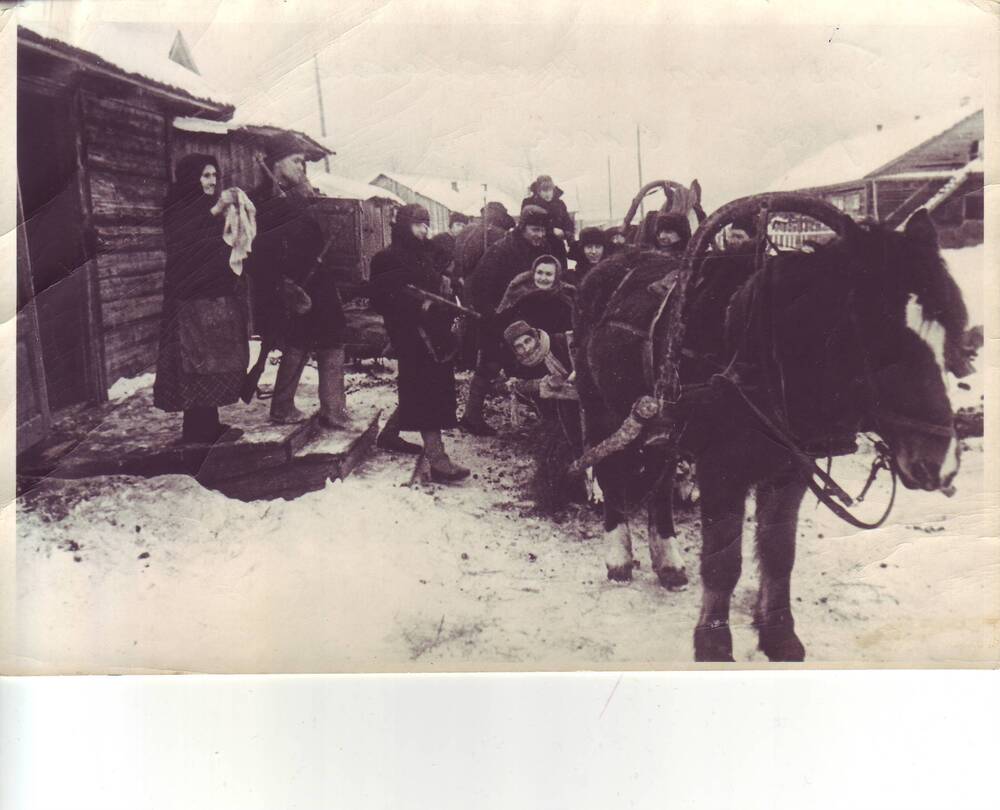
[673, 579]
[713, 643]
[780, 644]
[620, 573]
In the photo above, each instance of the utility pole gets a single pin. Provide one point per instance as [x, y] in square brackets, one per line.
[322, 112]
[611, 212]
[638, 158]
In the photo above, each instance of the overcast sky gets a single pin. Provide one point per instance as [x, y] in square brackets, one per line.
[734, 94]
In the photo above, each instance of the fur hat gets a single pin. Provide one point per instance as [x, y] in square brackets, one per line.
[534, 215]
[517, 329]
[671, 221]
[411, 214]
[592, 236]
[281, 146]
[456, 218]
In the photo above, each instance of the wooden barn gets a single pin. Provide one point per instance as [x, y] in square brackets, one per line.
[933, 162]
[93, 156]
[96, 142]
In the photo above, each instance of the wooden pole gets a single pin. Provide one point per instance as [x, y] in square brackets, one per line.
[638, 158]
[611, 212]
[322, 111]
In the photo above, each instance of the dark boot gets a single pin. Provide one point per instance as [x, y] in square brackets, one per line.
[443, 469]
[472, 420]
[333, 413]
[283, 410]
[390, 440]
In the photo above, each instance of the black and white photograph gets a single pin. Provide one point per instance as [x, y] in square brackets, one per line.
[471, 337]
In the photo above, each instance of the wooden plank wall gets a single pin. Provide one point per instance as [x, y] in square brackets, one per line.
[235, 156]
[125, 152]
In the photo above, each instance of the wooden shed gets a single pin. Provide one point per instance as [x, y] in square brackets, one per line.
[93, 163]
[933, 162]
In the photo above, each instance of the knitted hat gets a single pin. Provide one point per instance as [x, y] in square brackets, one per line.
[534, 215]
[412, 214]
[517, 329]
[592, 236]
[281, 146]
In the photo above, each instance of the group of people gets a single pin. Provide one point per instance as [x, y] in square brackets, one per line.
[513, 274]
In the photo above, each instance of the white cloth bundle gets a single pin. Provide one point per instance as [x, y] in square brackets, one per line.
[240, 229]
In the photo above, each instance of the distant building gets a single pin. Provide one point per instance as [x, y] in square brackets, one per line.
[933, 162]
[441, 196]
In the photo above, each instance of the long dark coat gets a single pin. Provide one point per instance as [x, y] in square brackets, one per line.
[288, 242]
[203, 352]
[443, 249]
[469, 248]
[426, 384]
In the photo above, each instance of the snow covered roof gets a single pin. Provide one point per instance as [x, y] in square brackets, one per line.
[463, 196]
[311, 147]
[154, 53]
[335, 185]
[860, 156]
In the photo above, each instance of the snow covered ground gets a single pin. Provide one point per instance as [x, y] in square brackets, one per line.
[125, 574]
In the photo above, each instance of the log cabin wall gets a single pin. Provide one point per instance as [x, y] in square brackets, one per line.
[125, 148]
[236, 156]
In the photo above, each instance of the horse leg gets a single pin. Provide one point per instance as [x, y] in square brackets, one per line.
[664, 553]
[777, 521]
[723, 504]
[611, 474]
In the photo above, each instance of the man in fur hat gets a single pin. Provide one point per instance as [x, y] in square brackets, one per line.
[295, 303]
[443, 245]
[545, 194]
[588, 251]
[508, 258]
[470, 244]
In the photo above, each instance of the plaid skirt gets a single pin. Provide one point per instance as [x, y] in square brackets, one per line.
[206, 375]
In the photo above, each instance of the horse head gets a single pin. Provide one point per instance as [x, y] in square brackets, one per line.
[836, 340]
[914, 321]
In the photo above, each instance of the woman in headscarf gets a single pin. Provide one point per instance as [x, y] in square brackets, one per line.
[539, 296]
[421, 334]
[204, 351]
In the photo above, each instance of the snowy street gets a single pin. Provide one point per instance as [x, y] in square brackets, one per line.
[126, 574]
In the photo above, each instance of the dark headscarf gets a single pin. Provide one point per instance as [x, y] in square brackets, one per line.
[186, 187]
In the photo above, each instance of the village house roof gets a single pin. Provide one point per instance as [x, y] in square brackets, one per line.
[344, 188]
[463, 196]
[311, 147]
[866, 154]
[155, 56]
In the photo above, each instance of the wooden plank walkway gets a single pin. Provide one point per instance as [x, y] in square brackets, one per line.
[268, 461]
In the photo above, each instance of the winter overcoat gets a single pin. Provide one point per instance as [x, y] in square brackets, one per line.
[289, 240]
[420, 335]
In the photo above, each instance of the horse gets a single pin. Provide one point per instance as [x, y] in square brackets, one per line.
[776, 360]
